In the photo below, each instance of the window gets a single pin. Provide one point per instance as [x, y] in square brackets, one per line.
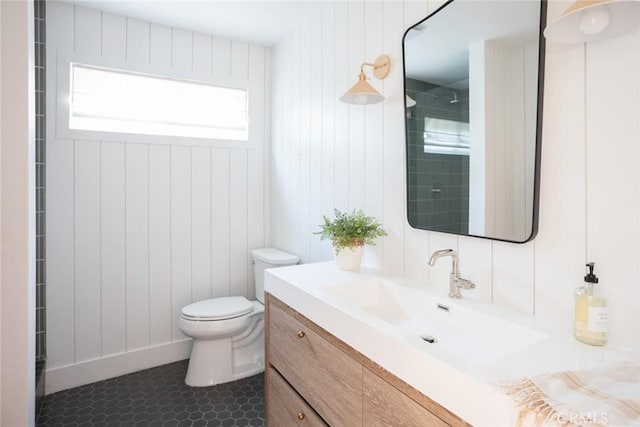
[109, 100]
[446, 136]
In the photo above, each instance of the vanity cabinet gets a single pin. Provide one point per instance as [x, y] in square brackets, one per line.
[385, 405]
[313, 378]
[286, 407]
[325, 376]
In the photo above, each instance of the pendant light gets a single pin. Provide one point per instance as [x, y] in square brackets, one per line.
[588, 20]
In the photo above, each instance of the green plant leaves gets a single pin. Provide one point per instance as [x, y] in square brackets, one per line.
[350, 230]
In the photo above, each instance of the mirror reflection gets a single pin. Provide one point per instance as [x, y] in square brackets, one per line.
[472, 85]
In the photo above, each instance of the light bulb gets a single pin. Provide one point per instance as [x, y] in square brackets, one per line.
[361, 99]
[594, 21]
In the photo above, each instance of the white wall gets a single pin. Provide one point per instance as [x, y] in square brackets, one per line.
[501, 179]
[138, 230]
[327, 154]
[17, 214]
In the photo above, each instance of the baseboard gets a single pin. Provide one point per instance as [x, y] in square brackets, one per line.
[88, 372]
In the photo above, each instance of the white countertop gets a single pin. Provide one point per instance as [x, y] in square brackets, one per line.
[466, 389]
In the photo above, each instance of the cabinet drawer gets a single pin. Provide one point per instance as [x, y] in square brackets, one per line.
[385, 405]
[327, 378]
[286, 407]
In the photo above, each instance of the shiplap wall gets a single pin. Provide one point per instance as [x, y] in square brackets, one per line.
[137, 231]
[328, 154]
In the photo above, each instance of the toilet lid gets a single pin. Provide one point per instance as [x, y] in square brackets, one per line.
[217, 308]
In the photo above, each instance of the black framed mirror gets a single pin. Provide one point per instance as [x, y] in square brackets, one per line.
[474, 78]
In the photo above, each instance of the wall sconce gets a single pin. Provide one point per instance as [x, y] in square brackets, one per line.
[362, 92]
[587, 20]
[409, 101]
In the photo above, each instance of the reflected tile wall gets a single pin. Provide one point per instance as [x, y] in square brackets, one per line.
[438, 184]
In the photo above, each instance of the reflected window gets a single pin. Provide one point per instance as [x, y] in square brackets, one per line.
[446, 136]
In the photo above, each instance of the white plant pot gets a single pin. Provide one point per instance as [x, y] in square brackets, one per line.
[349, 259]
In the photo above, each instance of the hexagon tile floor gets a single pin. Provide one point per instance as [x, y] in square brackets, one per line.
[156, 397]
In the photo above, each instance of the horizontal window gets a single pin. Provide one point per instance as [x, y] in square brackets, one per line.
[446, 136]
[109, 100]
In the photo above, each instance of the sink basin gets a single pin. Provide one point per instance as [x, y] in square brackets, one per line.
[375, 297]
[439, 326]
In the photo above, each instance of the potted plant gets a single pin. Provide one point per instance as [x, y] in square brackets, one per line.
[349, 232]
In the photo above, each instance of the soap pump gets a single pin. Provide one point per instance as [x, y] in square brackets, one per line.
[591, 323]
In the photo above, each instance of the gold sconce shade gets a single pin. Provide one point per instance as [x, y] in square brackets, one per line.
[587, 20]
[362, 92]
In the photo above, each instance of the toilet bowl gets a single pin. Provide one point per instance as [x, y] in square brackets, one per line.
[228, 332]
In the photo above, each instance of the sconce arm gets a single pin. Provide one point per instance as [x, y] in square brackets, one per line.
[381, 67]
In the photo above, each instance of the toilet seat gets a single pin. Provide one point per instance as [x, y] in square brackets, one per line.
[217, 309]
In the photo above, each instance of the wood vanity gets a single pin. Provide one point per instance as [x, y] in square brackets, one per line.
[315, 379]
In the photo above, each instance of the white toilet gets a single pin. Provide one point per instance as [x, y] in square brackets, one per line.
[228, 332]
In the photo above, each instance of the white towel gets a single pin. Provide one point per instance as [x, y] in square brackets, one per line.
[608, 396]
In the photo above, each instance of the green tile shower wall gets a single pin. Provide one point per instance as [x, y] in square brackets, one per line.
[40, 156]
[40, 63]
[447, 210]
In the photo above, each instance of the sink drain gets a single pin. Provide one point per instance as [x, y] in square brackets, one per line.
[429, 338]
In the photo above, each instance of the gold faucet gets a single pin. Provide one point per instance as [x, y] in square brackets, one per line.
[455, 281]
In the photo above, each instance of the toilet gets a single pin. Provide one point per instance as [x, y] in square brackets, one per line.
[228, 332]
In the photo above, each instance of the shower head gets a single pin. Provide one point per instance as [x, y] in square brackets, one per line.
[455, 98]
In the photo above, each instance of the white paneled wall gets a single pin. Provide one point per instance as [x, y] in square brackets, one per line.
[353, 157]
[138, 230]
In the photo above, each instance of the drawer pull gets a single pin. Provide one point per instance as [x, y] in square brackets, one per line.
[301, 416]
[301, 334]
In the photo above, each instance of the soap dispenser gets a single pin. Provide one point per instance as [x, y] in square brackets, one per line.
[591, 321]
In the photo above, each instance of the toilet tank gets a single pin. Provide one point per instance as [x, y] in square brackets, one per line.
[268, 258]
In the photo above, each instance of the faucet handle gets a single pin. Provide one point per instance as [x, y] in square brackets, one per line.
[465, 283]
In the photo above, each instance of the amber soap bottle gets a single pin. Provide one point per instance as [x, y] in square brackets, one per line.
[591, 323]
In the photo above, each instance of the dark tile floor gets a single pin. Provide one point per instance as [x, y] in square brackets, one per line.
[157, 397]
